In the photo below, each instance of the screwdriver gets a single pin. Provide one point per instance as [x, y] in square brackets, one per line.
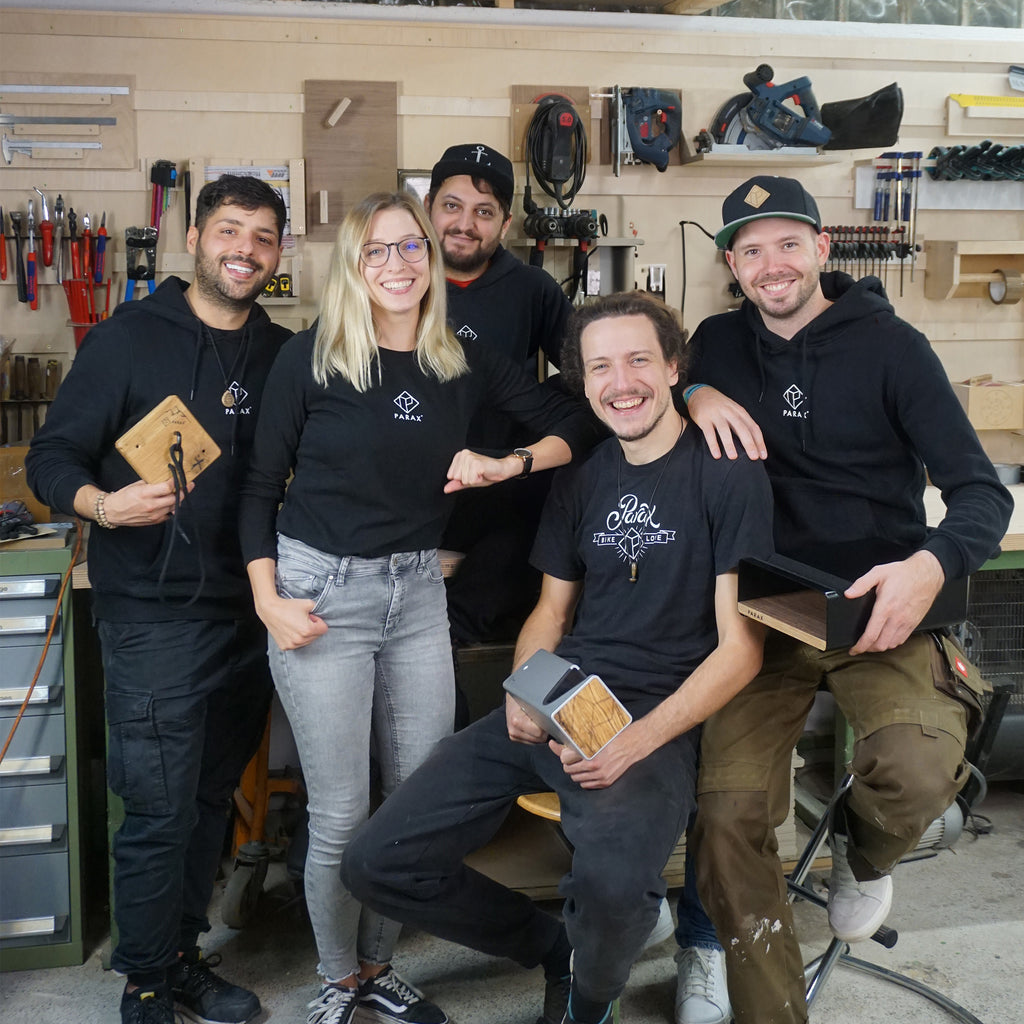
[76, 260]
[3, 248]
[30, 262]
[58, 238]
[46, 231]
[101, 245]
[86, 248]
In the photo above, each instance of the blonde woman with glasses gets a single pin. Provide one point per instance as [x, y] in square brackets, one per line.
[367, 412]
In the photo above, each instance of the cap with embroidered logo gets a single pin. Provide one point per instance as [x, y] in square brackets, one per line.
[477, 161]
[766, 196]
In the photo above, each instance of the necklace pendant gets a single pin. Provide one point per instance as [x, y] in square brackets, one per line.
[634, 572]
[227, 399]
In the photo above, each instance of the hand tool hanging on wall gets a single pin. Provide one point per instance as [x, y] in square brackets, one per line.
[101, 248]
[163, 175]
[86, 248]
[45, 230]
[19, 266]
[27, 147]
[3, 248]
[140, 242]
[58, 238]
[76, 256]
[30, 261]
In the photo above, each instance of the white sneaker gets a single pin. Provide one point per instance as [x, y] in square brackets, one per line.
[701, 993]
[663, 928]
[856, 910]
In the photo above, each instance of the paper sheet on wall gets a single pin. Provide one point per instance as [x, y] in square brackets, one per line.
[276, 175]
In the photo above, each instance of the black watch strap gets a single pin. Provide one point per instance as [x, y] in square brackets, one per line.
[527, 457]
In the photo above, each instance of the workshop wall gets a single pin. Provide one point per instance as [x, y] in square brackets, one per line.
[230, 90]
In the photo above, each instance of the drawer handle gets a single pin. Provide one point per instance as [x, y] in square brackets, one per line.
[26, 624]
[26, 588]
[40, 695]
[22, 834]
[28, 927]
[44, 764]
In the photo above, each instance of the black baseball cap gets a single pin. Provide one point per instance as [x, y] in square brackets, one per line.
[766, 196]
[478, 162]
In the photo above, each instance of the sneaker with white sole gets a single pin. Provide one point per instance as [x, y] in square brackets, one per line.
[151, 1004]
[856, 910]
[701, 993]
[663, 928]
[202, 996]
[334, 1004]
[388, 998]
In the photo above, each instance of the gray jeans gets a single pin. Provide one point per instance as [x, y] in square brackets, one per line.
[380, 681]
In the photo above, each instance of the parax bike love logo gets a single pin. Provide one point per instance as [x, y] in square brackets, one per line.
[794, 399]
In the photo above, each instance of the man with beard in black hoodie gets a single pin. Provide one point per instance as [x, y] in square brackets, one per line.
[848, 405]
[184, 655]
[520, 311]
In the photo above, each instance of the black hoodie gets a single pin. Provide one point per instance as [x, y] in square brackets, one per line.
[147, 350]
[515, 309]
[853, 409]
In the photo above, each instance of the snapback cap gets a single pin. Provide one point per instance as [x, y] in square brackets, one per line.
[478, 162]
[766, 196]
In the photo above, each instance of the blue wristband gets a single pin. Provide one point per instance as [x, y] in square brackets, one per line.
[689, 392]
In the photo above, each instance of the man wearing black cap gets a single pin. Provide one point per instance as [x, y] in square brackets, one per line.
[521, 311]
[847, 404]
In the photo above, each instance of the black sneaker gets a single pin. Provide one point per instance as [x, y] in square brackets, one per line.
[148, 1006]
[205, 997]
[387, 998]
[556, 1000]
[334, 1004]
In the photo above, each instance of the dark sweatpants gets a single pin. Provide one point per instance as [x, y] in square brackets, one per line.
[407, 861]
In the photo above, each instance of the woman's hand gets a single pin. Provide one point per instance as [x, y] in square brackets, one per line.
[468, 469]
[290, 621]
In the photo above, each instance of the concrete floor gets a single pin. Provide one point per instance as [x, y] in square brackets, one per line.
[960, 917]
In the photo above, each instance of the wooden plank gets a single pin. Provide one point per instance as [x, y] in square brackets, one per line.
[357, 156]
[800, 614]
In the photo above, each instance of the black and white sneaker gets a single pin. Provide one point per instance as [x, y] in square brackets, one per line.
[387, 999]
[205, 997]
[334, 1004]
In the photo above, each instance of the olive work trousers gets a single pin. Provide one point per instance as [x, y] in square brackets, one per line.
[908, 764]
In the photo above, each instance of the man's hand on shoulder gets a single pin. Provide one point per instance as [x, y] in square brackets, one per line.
[904, 591]
[719, 418]
[609, 764]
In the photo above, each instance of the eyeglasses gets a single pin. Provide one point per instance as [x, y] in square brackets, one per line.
[376, 254]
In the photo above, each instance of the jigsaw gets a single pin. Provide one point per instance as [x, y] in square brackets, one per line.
[646, 125]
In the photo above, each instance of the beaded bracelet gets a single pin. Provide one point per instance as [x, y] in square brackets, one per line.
[99, 513]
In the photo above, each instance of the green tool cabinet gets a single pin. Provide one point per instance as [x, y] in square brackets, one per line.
[41, 918]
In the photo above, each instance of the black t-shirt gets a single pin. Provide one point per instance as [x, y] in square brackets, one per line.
[370, 467]
[645, 638]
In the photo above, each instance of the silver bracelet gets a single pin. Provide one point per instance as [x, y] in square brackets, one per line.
[99, 514]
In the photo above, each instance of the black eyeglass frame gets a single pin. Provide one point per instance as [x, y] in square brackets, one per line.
[396, 246]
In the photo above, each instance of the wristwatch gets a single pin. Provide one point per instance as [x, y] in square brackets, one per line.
[527, 457]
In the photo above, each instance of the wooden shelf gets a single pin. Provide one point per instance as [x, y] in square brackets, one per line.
[960, 270]
[762, 157]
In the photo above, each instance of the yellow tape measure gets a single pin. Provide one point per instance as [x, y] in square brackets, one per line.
[967, 100]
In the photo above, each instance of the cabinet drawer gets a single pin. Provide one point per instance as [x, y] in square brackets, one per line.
[27, 609]
[33, 819]
[35, 900]
[19, 667]
[36, 753]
